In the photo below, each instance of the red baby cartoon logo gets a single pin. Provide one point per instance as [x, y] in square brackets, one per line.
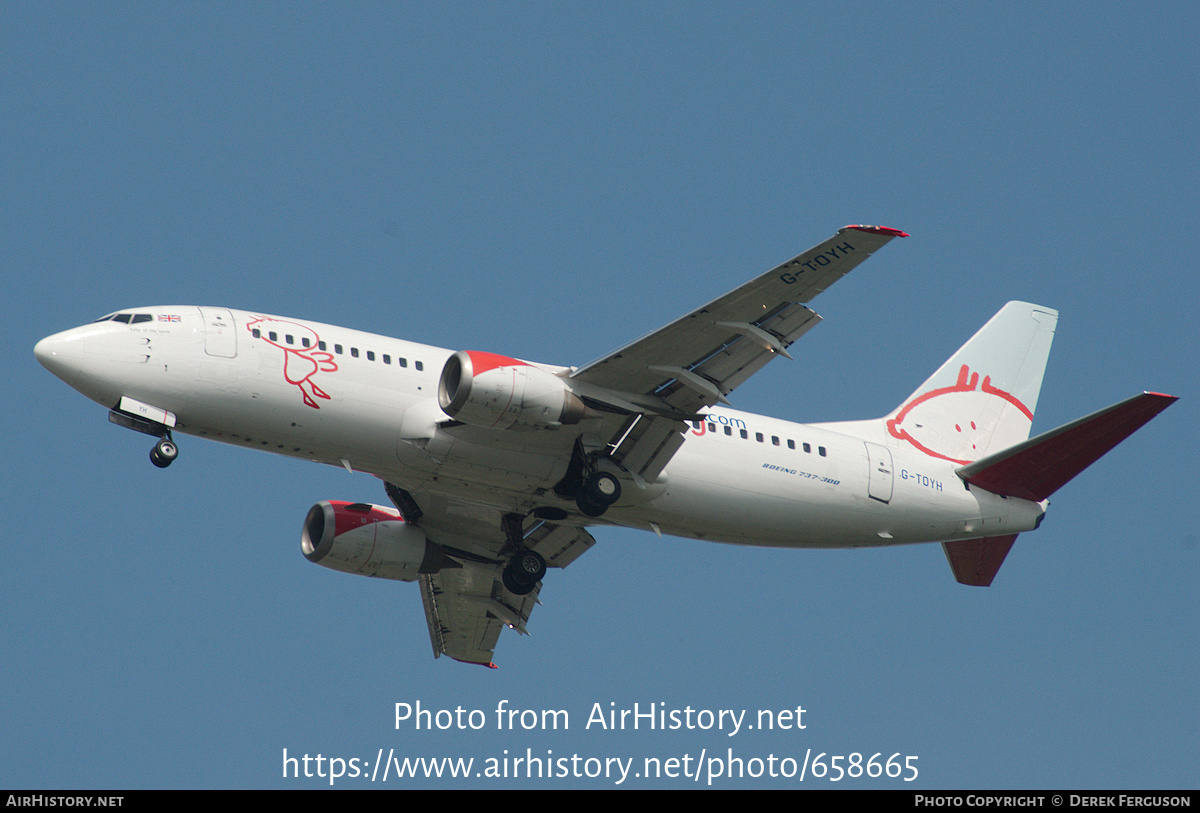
[943, 422]
[302, 360]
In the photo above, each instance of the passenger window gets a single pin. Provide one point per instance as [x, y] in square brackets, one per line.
[821, 451]
[256, 333]
[354, 352]
[337, 348]
[745, 435]
[387, 359]
[774, 440]
[791, 443]
[729, 430]
[288, 338]
[402, 362]
[273, 336]
[808, 448]
[304, 340]
[321, 344]
[712, 427]
[758, 436]
[370, 355]
[419, 365]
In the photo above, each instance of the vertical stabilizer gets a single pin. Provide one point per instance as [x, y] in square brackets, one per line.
[982, 399]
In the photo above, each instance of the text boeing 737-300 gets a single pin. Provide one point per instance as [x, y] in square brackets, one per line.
[497, 466]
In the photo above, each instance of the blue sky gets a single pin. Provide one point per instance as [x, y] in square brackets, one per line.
[550, 181]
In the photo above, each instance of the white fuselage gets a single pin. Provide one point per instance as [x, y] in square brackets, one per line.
[369, 402]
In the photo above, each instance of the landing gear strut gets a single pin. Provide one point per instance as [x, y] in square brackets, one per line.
[523, 572]
[164, 452]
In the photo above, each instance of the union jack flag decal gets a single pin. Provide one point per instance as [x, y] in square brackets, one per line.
[163, 317]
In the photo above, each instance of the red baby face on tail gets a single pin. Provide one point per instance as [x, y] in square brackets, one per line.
[957, 423]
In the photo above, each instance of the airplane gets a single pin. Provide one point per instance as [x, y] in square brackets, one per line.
[496, 467]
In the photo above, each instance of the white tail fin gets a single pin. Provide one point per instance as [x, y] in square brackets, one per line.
[982, 400]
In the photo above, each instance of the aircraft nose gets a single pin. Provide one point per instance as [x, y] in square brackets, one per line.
[61, 354]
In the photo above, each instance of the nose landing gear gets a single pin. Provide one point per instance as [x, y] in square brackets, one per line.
[164, 452]
[149, 420]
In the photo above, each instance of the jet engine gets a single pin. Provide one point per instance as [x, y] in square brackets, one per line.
[498, 392]
[369, 540]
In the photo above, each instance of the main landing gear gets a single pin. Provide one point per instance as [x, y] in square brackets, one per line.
[526, 567]
[592, 488]
[523, 572]
[164, 452]
[599, 491]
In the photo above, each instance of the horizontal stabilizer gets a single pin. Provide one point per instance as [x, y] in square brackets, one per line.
[975, 561]
[1035, 469]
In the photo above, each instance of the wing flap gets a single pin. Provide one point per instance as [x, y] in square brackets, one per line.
[649, 446]
[559, 545]
[466, 608]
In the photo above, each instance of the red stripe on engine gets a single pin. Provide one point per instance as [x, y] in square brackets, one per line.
[346, 519]
[481, 362]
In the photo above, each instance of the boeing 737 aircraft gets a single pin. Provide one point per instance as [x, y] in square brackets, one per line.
[496, 466]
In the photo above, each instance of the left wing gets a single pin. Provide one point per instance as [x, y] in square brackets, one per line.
[467, 606]
[694, 362]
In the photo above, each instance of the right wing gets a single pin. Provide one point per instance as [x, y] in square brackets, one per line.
[671, 374]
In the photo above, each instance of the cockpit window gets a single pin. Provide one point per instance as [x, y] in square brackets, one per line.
[127, 318]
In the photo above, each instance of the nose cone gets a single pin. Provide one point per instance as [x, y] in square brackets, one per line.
[61, 354]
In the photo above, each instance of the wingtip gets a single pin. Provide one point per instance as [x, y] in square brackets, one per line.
[879, 230]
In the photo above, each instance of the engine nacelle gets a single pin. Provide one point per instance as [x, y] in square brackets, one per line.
[369, 540]
[498, 392]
